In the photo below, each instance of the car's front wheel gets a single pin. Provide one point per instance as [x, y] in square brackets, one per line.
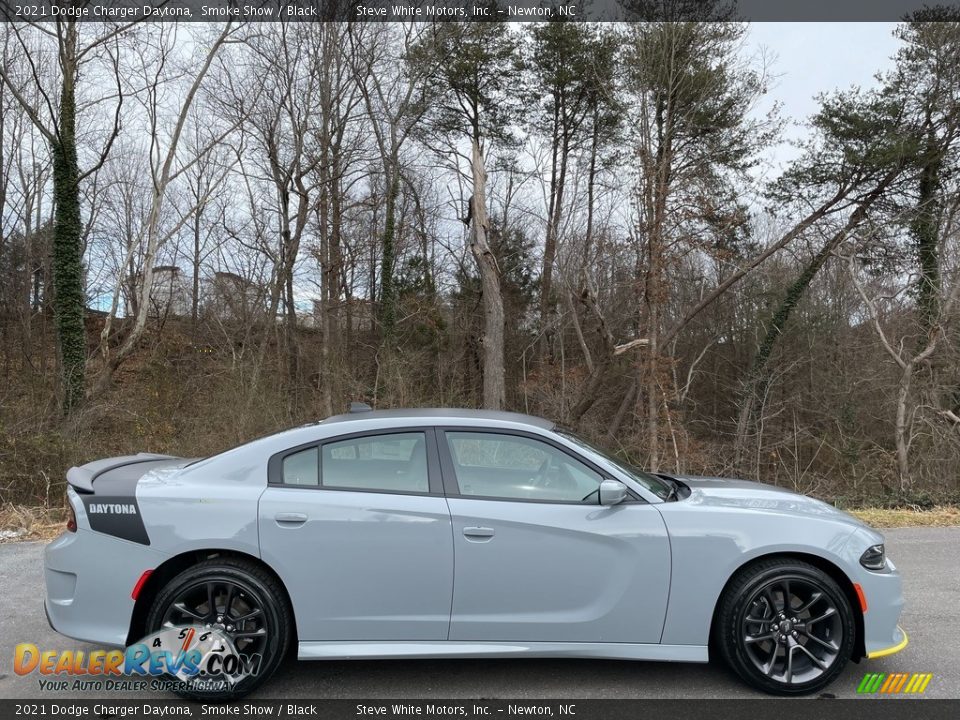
[785, 627]
[245, 605]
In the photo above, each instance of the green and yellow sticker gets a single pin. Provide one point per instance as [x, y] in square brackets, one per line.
[894, 683]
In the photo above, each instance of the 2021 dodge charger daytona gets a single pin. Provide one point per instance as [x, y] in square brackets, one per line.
[460, 533]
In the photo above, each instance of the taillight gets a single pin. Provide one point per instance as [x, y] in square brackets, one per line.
[71, 518]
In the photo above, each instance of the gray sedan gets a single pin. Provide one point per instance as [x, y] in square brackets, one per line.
[460, 533]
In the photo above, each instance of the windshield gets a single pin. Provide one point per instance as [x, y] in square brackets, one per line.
[657, 486]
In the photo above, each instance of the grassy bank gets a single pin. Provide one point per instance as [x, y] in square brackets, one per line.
[939, 516]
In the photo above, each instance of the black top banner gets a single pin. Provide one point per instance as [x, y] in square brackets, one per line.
[470, 10]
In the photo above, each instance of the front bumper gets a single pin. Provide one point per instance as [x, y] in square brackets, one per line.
[89, 577]
[882, 635]
[893, 649]
[882, 591]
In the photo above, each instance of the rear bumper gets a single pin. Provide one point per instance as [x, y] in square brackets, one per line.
[47, 613]
[89, 577]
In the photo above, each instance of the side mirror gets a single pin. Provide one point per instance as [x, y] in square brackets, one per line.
[612, 492]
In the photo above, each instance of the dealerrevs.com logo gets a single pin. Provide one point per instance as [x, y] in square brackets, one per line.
[177, 658]
[894, 683]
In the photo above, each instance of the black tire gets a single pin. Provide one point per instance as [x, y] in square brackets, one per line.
[260, 589]
[816, 632]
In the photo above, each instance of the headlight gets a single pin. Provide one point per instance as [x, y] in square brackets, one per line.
[874, 558]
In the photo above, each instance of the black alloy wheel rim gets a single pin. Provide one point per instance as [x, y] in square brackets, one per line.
[231, 607]
[792, 630]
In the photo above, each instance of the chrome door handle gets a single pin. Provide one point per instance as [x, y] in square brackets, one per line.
[290, 518]
[478, 532]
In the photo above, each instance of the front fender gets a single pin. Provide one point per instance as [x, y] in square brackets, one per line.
[709, 545]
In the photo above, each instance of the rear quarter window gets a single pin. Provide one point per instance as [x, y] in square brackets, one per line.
[302, 468]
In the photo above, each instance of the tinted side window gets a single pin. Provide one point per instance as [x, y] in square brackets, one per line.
[302, 468]
[515, 467]
[391, 463]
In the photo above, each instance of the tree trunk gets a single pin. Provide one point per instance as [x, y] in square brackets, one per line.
[558, 165]
[388, 300]
[901, 429]
[656, 193]
[68, 305]
[290, 333]
[591, 190]
[494, 382]
[335, 283]
[327, 292]
[653, 371]
[195, 287]
[926, 231]
[594, 382]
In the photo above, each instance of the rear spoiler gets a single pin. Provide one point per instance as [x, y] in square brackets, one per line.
[82, 477]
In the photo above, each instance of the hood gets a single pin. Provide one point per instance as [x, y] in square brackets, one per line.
[749, 495]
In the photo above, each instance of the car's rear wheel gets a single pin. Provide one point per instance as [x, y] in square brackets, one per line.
[240, 600]
[785, 627]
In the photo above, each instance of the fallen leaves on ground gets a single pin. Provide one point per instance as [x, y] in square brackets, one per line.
[19, 522]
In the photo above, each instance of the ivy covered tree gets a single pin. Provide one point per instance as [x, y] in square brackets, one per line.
[927, 83]
[32, 86]
[857, 155]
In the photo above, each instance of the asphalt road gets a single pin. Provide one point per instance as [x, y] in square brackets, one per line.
[928, 558]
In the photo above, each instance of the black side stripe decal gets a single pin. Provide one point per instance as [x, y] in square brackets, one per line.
[117, 515]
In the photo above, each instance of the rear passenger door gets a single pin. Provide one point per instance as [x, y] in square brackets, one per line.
[358, 529]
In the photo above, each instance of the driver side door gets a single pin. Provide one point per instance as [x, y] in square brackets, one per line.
[537, 558]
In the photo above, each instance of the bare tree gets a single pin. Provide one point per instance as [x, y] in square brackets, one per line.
[907, 358]
[164, 169]
[396, 97]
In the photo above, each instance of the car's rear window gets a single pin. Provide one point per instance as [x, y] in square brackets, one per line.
[395, 462]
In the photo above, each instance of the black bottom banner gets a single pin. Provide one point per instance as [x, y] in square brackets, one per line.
[818, 709]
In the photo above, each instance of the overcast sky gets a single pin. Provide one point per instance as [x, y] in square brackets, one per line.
[809, 58]
[805, 59]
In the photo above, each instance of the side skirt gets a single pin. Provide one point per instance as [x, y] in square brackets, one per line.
[448, 649]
